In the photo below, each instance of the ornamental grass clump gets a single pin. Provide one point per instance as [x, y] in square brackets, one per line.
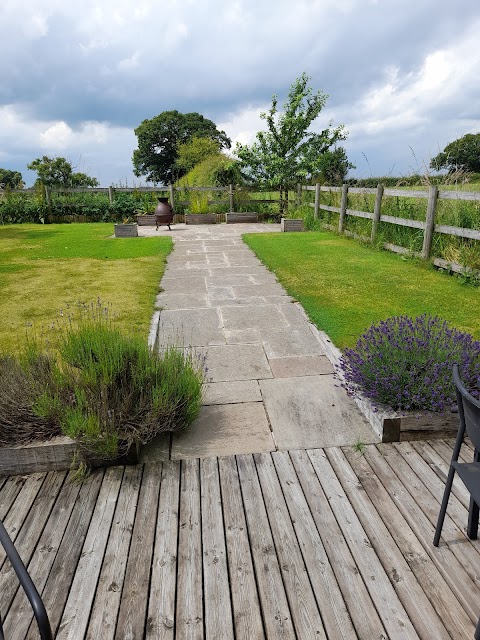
[406, 364]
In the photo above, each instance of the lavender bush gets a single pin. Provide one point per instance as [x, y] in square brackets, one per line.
[406, 364]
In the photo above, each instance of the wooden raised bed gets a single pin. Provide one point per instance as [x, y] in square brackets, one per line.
[290, 224]
[200, 218]
[234, 218]
[146, 221]
[52, 455]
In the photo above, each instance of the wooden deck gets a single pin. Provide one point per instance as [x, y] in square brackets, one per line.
[290, 545]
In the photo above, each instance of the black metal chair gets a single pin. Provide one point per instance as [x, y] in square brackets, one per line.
[469, 413]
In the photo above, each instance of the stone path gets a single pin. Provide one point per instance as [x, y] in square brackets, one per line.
[270, 385]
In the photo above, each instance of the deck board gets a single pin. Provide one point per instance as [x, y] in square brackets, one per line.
[285, 545]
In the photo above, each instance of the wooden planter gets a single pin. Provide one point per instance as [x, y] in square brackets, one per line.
[53, 455]
[291, 224]
[126, 230]
[234, 218]
[200, 218]
[146, 221]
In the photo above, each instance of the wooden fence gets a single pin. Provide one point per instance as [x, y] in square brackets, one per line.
[429, 227]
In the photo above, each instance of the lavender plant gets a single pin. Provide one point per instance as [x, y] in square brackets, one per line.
[406, 363]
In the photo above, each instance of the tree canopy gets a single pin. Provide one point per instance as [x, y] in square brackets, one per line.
[159, 140]
[12, 179]
[462, 154]
[194, 151]
[288, 153]
[58, 172]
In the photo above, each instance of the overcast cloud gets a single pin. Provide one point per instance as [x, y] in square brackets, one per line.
[402, 75]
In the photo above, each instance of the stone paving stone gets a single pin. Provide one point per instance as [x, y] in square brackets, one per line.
[195, 285]
[190, 327]
[235, 302]
[235, 362]
[229, 280]
[220, 293]
[253, 317]
[225, 430]
[283, 343]
[241, 291]
[244, 336]
[181, 301]
[232, 392]
[300, 366]
[313, 412]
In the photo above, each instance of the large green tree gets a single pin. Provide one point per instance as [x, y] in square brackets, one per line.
[58, 172]
[159, 140]
[462, 154]
[194, 151]
[287, 152]
[12, 179]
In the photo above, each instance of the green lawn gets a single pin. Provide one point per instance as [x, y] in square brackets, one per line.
[45, 268]
[345, 286]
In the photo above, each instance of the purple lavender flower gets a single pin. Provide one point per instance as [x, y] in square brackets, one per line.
[406, 363]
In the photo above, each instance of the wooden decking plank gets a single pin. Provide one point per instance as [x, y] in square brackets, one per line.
[456, 510]
[28, 536]
[440, 468]
[451, 533]
[365, 618]
[161, 604]
[21, 507]
[447, 563]
[8, 494]
[445, 449]
[390, 609]
[55, 592]
[436, 588]
[273, 600]
[332, 607]
[303, 606]
[76, 614]
[20, 614]
[189, 609]
[103, 619]
[245, 602]
[132, 615]
[216, 586]
[423, 616]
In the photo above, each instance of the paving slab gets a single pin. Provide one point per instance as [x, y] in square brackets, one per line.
[193, 284]
[299, 366]
[157, 450]
[294, 341]
[243, 336]
[190, 327]
[235, 362]
[312, 412]
[181, 301]
[253, 317]
[225, 430]
[232, 392]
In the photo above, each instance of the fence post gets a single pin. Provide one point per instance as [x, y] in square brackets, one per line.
[230, 196]
[317, 200]
[430, 222]
[110, 194]
[377, 211]
[171, 190]
[48, 199]
[299, 195]
[343, 208]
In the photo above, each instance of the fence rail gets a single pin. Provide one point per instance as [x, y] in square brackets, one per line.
[428, 226]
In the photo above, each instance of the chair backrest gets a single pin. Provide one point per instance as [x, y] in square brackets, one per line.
[469, 409]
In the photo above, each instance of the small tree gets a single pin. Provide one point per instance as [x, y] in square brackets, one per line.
[58, 172]
[287, 153]
[12, 179]
[462, 154]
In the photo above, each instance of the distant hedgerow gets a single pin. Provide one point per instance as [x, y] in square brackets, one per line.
[406, 363]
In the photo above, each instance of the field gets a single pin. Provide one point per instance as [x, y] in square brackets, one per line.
[345, 286]
[44, 268]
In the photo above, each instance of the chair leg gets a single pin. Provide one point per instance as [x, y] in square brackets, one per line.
[472, 527]
[443, 508]
[477, 631]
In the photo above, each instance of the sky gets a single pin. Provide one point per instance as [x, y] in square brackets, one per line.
[403, 76]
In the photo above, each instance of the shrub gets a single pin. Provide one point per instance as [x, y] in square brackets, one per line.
[406, 363]
[106, 390]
